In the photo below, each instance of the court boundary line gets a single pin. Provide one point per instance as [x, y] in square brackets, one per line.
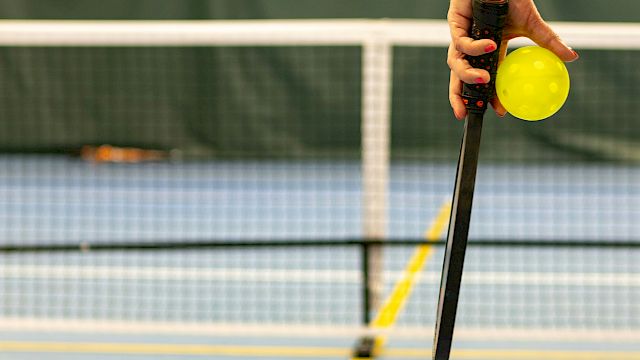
[106, 272]
[286, 351]
[25, 324]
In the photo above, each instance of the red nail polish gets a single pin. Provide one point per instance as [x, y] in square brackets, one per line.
[489, 48]
[479, 80]
[576, 54]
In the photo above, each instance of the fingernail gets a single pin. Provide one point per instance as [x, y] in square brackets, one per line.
[489, 48]
[479, 80]
[577, 56]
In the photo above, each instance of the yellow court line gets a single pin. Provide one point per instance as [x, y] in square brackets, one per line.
[395, 302]
[439, 224]
[166, 349]
[302, 352]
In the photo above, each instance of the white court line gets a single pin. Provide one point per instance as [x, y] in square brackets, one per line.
[65, 272]
[25, 324]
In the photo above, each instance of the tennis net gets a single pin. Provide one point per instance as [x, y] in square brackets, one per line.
[254, 175]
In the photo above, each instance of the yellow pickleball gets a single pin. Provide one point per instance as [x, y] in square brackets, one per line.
[532, 83]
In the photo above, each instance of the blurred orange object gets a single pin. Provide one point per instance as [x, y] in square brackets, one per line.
[114, 154]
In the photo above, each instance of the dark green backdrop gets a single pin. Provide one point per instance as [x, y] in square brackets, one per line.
[302, 101]
[566, 10]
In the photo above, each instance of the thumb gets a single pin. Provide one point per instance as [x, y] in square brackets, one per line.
[542, 34]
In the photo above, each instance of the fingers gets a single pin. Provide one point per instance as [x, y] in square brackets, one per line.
[504, 45]
[543, 35]
[467, 45]
[455, 98]
[459, 19]
[463, 69]
[495, 102]
[463, 43]
[498, 107]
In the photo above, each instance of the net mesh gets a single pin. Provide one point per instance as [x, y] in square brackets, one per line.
[131, 153]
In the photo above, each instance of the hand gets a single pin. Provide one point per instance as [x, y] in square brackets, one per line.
[523, 20]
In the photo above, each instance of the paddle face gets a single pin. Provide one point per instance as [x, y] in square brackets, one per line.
[489, 17]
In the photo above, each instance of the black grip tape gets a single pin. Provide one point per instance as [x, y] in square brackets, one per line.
[488, 20]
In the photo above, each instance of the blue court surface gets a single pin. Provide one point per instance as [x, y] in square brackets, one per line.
[304, 302]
